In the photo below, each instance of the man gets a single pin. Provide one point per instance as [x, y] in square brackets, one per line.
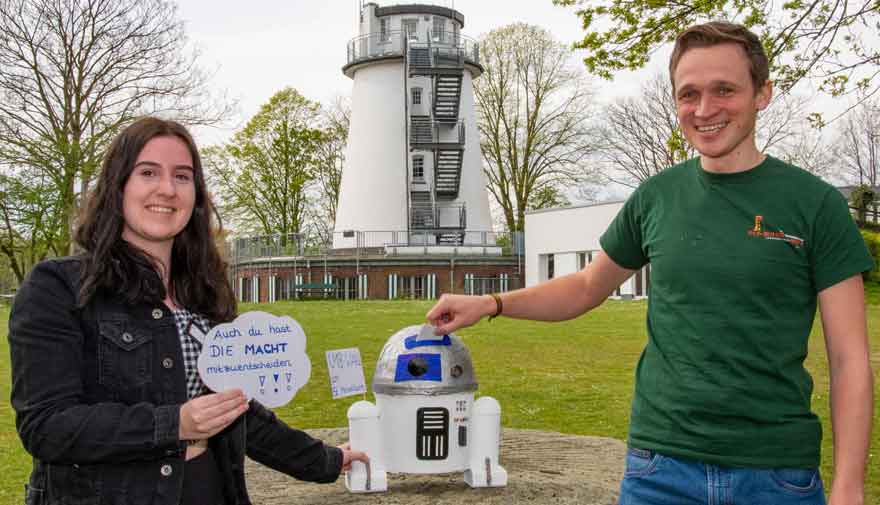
[741, 246]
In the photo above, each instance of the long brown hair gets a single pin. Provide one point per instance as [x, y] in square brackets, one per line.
[198, 272]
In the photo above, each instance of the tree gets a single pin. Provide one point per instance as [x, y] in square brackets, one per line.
[263, 174]
[857, 150]
[548, 197]
[640, 136]
[858, 145]
[29, 220]
[533, 117]
[784, 131]
[329, 159]
[71, 73]
[821, 39]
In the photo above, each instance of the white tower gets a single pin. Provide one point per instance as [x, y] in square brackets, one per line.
[412, 174]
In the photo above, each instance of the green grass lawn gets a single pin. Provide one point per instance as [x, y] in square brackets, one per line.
[574, 377]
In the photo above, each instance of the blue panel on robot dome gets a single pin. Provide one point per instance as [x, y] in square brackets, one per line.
[413, 341]
[418, 367]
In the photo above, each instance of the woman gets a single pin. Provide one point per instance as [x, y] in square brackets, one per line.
[104, 347]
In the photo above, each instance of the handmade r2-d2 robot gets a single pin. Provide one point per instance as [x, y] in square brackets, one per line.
[425, 419]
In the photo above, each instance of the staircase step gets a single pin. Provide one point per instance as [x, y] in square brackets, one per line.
[447, 96]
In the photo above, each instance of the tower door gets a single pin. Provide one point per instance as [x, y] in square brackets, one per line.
[432, 433]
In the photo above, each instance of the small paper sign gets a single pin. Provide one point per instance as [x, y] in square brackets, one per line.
[426, 332]
[262, 354]
[346, 372]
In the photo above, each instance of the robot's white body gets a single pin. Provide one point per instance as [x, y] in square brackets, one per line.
[425, 420]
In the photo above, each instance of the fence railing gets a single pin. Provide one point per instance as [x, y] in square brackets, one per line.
[426, 131]
[869, 215]
[362, 243]
[393, 43]
[425, 216]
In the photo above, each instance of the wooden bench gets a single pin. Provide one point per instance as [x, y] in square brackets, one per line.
[315, 290]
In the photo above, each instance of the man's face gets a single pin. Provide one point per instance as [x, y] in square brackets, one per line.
[717, 104]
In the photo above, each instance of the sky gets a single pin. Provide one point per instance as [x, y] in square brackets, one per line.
[255, 48]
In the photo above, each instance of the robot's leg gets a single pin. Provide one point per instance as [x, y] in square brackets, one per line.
[365, 435]
[485, 432]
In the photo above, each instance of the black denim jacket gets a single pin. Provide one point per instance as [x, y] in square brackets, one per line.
[97, 393]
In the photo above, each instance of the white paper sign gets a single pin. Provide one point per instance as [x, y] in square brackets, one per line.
[262, 354]
[346, 372]
[426, 332]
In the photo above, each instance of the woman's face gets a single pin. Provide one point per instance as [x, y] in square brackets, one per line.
[159, 195]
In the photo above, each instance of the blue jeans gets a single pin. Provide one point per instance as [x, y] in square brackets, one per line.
[655, 479]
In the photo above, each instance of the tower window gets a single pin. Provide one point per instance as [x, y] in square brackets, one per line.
[416, 96]
[418, 167]
[384, 33]
[439, 27]
[409, 27]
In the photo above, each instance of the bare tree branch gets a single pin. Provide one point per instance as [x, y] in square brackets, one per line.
[73, 71]
[533, 115]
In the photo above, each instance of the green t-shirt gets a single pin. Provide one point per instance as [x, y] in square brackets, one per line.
[736, 263]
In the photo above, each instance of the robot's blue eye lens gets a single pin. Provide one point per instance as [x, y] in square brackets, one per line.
[417, 367]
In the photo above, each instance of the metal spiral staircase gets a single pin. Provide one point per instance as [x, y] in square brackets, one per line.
[443, 134]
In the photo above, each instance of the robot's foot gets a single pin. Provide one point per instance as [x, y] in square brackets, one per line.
[487, 475]
[362, 480]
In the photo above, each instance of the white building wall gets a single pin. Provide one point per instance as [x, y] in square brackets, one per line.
[373, 191]
[564, 233]
[565, 262]
[473, 181]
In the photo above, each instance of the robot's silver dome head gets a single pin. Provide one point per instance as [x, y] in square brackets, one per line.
[412, 366]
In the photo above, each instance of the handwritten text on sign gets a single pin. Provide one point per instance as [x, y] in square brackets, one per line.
[261, 354]
[346, 372]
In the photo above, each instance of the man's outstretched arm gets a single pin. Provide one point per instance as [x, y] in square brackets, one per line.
[558, 299]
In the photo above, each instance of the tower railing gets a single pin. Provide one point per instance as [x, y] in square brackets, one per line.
[393, 43]
[427, 216]
[425, 133]
[362, 243]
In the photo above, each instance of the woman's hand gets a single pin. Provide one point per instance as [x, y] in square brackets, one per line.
[348, 456]
[205, 416]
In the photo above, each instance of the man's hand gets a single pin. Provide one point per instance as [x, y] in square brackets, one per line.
[458, 311]
[348, 456]
[207, 415]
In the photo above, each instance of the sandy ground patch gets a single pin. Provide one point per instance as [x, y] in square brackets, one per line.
[543, 467]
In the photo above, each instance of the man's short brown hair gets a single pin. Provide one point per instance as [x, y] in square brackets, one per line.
[722, 32]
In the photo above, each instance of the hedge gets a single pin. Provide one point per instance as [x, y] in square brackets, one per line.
[872, 239]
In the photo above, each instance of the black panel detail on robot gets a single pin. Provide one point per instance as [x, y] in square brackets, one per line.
[432, 433]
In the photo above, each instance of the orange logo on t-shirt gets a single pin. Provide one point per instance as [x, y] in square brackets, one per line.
[758, 231]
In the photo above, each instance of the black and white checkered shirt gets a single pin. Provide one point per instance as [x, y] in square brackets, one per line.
[192, 329]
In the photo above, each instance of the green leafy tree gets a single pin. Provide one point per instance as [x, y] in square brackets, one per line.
[263, 175]
[29, 220]
[828, 40]
[548, 197]
[533, 113]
